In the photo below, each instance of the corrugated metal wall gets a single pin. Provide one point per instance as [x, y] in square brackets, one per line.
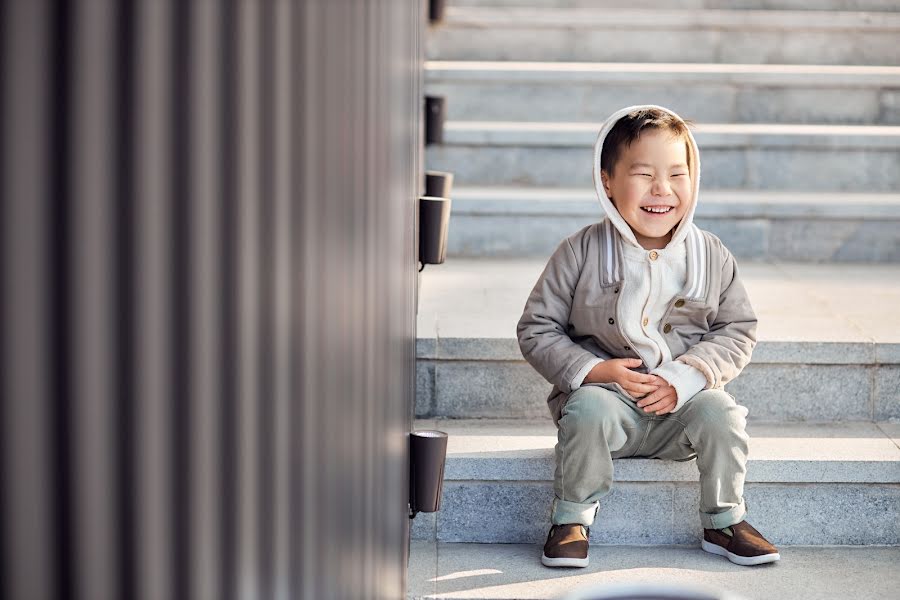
[208, 265]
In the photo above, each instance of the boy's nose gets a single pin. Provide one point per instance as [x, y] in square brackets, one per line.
[661, 188]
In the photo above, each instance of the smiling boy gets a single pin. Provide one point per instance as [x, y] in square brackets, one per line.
[639, 321]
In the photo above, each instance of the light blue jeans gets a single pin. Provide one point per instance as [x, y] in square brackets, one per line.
[597, 424]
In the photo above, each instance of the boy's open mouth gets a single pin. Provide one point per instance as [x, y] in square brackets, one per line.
[661, 210]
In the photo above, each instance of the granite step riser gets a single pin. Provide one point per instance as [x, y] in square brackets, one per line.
[783, 168]
[793, 239]
[797, 392]
[700, 44]
[667, 513]
[557, 100]
[838, 5]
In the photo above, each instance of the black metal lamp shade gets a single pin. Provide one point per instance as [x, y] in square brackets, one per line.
[435, 10]
[438, 183]
[427, 455]
[434, 222]
[435, 113]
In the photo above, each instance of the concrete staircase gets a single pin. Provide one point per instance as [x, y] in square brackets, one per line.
[822, 394]
[788, 138]
[801, 174]
[586, 33]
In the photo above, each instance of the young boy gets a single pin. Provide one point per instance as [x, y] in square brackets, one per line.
[639, 321]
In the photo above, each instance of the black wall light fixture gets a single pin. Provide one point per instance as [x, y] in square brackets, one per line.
[427, 456]
[434, 217]
[435, 113]
[435, 10]
[434, 223]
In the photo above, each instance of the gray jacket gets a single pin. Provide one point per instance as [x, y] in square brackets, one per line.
[572, 313]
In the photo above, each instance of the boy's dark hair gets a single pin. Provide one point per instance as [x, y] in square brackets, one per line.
[628, 128]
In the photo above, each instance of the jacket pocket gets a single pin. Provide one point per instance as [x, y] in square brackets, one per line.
[686, 325]
[595, 322]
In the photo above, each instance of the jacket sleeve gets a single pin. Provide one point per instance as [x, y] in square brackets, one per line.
[686, 380]
[724, 351]
[578, 379]
[542, 328]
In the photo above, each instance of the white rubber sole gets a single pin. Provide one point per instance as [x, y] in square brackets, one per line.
[563, 562]
[739, 560]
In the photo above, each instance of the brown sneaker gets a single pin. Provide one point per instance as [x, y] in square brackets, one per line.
[740, 543]
[567, 546]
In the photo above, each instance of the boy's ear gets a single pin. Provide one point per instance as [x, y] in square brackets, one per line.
[604, 178]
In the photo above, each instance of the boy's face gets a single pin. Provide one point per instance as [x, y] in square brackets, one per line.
[651, 173]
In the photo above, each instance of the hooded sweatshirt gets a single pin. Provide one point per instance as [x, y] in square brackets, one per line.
[652, 283]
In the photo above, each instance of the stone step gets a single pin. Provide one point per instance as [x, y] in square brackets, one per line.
[829, 342]
[661, 35]
[504, 571]
[515, 222]
[843, 5]
[805, 484]
[781, 157]
[724, 93]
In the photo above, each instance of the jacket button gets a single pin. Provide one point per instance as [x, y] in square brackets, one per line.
[667, 328]
[654, 255]
[628, 347]
[646, 320]
[611, 321]
[679, 303]
[616, 291]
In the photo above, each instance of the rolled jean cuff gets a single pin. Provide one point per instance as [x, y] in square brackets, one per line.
[728, 518]
[564, 512]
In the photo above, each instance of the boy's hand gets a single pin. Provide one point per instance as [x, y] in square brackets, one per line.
[619, 370]
[662, 401]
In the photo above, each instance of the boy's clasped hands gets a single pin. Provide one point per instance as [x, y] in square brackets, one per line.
[654, 393]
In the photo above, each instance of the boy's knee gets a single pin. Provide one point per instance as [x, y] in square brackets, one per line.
[591, 407]
[716, 406]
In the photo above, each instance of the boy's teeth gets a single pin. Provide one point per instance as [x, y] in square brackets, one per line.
[665, 210]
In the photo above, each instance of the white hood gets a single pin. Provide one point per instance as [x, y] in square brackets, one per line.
[683, 226]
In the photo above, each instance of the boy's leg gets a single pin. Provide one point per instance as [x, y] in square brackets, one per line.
[595, 426]
[710, 426]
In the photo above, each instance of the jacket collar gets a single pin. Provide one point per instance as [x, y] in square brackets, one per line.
[697, 250]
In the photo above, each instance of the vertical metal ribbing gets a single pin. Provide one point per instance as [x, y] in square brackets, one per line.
[351, 525]
[363, 125]
[90, 301]
[283, 308]
[302, 415]
[205, 300]
[182, 362]
[58, 268]
[387, 385]
[208, 283]
[247, 241]
[265, 309]
[366, 59]
[330, 332]
[228, 252]
[153, 299]
[5, 215]
[124, 273]
[26, 439]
